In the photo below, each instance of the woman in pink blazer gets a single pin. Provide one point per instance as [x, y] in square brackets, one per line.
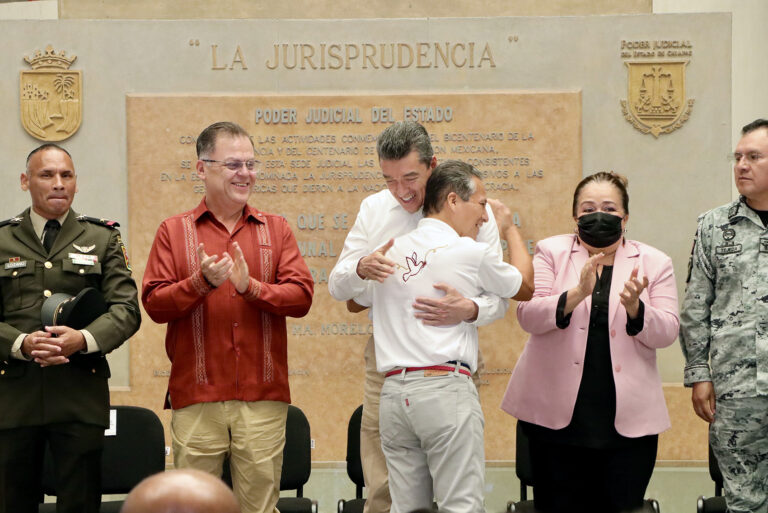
[586, 387]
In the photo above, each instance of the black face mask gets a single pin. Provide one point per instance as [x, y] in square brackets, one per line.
[599, 229]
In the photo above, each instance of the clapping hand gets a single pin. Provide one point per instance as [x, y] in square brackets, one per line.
[215, 271]
[239, 276]
[588, 276]
[630, 296]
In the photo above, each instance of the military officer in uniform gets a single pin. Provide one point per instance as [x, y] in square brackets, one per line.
[724, 326]
[53, 379]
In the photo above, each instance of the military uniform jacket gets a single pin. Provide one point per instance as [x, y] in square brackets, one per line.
[724, 320]
[77, 391]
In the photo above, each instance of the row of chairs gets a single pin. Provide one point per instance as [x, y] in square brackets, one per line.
[137, 450]
[714, 504]
[524, 472]
[297, 465]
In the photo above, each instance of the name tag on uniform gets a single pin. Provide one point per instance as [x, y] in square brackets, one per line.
[81, 259]
[15, 263]
[764, 245]
[728, 249]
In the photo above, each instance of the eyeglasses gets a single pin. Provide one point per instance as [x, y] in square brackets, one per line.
[235, 165]
[752, 157]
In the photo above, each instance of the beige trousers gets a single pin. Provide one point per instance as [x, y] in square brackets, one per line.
[252, 433]
[374, 465]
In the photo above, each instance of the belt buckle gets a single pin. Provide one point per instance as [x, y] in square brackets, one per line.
[435, 372]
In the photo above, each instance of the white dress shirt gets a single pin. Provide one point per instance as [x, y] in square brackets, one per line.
[432, 253]
[382, 218]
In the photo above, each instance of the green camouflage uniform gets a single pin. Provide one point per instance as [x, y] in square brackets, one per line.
[724, 337]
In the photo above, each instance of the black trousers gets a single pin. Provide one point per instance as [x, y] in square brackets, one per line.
[572, 479]
[76, 450]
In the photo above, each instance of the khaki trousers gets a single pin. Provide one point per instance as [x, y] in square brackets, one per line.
[374, 464]
[251, 432]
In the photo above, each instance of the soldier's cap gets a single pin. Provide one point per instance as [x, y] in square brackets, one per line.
[77, 312]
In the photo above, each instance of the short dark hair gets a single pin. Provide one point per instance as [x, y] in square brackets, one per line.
[449, 176]
[755, 125]
[615, 179]
[403, 137]
[206, 141]
[46, 146]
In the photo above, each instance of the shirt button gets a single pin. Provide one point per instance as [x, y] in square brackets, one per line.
[2, 372]
[613, 333]
[14, 273]
[234, 324]
[93, 371]
[47, 293]
[82, 271]
[48, 265]
[617, 368]
[234, 294]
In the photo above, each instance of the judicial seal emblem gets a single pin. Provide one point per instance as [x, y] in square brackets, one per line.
[656, 101]
[51, 95]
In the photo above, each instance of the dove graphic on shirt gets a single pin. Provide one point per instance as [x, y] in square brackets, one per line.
[414, 266]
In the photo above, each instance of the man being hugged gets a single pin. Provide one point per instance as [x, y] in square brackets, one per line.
[406, 159]
[431, 422]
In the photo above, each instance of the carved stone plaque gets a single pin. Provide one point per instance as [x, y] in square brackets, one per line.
[320, 161]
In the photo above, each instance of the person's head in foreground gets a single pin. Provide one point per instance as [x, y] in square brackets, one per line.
[181, 491]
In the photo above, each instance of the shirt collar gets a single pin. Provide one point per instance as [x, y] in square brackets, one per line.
[38, 222]
[392, 204]
[438, 225]
[739, 208]
[248, 211]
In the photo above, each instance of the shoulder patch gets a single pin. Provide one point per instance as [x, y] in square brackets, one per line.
[99, 221]
[14, 221]
[125, 253]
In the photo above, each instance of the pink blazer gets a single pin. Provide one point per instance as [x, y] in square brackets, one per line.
[543, 386]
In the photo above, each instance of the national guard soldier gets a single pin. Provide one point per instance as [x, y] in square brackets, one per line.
[53, 378]
[724, 326]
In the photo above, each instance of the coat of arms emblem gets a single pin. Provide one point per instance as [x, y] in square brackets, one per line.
[51, 96]
[656, 101]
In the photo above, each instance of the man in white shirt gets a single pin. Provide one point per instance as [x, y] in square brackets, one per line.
[407, 160]
[431, 422]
